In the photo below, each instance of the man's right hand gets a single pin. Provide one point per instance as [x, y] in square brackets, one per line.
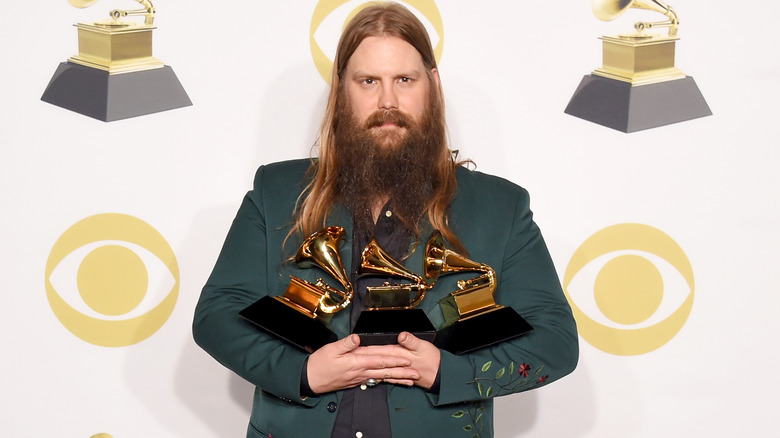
[345, 364]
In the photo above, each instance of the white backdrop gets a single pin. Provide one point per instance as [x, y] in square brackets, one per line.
[508, 69]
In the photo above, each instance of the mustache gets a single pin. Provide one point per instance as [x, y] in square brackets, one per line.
[380, 117]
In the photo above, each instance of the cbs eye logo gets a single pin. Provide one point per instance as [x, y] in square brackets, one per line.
[331, 16]
[112, 280]
[630, 287]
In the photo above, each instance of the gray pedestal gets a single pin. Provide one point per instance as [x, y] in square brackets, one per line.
[618, 105]
[95, 93]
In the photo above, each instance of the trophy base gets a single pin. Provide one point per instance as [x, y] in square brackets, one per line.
[282, 321]
[96, 93]
[382, 327]
[483, 330]
[618, 105]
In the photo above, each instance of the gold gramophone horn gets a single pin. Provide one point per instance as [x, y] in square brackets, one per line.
[322, 249]
[608, 10]
[442, 261]
[475, 294]
[148, 10]
[374, 260]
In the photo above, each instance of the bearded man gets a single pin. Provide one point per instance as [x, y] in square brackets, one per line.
[383, 171]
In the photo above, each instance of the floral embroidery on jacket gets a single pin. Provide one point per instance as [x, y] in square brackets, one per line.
[473, 415]
[507, 380]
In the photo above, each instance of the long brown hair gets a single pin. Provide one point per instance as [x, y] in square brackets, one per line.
[320, 195]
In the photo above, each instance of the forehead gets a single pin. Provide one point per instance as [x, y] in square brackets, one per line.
[385, 55]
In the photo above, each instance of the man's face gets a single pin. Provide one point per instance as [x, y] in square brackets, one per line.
[386, 76]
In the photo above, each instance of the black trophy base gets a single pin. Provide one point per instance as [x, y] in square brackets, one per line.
[618, 105]
[481, 331]
[382, 327]
[282, 321]
[108, 97]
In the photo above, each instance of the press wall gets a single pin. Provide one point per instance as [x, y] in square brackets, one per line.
[685, 214]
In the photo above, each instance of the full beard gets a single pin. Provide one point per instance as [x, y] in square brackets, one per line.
[398, 164]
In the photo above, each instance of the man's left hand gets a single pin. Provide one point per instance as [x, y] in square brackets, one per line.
[425, 357]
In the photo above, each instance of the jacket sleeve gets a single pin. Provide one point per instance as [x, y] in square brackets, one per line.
[528, 282]
[240, 277]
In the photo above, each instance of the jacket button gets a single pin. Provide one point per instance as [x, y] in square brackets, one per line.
[332, 407]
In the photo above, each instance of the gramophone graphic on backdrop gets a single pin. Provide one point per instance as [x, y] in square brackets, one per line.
[637, 87]
[114, 76]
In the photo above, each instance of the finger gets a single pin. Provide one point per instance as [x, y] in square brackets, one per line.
[409, 341]
[388, 350]
[403, 382]
[395, 374]
[381, 362]
[348, 344]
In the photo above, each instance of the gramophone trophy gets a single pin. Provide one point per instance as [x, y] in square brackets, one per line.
[472, 318]
[114, 76]
[300, 315]
[391, 308]
[637, 87]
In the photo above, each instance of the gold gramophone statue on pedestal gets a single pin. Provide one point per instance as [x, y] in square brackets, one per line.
[472, 317]
[391, 308]
[638, 86]
[114, 75]
[300, 315]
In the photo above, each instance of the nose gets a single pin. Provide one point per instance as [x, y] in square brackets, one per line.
[387, 97]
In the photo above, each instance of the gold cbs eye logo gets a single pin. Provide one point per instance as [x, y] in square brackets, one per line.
[629, 289]
[119, 300]
[331, 16]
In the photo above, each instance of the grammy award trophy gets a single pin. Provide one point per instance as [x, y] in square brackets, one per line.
[114, 76]
[637, 87]
[391, 308]
[472, 318]
[300, 315]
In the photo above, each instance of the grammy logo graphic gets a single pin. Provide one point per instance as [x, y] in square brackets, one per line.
[638, 86]
[114, 75]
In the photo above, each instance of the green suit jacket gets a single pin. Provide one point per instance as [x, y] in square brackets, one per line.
[492, 218]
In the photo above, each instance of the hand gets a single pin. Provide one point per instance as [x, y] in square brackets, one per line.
[344, 364]
[425, 358]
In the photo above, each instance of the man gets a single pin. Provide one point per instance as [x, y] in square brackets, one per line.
[384, 171]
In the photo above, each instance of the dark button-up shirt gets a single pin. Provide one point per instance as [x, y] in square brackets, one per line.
[363, 411]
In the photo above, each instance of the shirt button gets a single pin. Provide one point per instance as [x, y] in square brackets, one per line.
[359, 434]
[331, 407]
[388, 213]
[363, 387]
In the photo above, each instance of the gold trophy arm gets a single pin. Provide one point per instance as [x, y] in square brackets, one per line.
[421, 289]
[487, 279]
[330, 305]
[672, 23]
[608, 10]
[148, 12]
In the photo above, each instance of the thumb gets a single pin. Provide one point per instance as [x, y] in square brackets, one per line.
[408, 341]
[349, 343]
